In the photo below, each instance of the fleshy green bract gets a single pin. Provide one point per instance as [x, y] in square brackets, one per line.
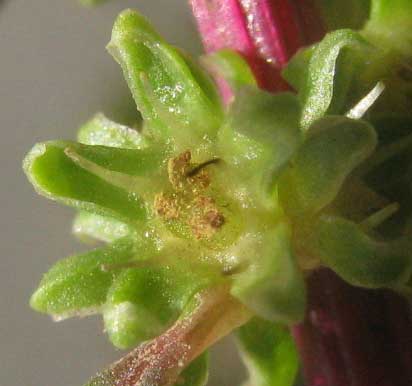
[247, 197]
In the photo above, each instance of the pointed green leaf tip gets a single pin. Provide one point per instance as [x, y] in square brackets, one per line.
[79, 284]
[171, 92]
[94, 178]
[334, 147]
[269, 353]
[357, 258]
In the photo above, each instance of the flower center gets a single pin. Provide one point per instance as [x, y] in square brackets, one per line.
[188, 201]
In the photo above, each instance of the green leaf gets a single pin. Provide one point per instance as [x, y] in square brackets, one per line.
[296, 71]
[169, 91]
[269, 353]
[335, 146]
[90, 226]
[357, 258]
[271, 285]
[196, 373]
[131, 162]
[102, 131]
[325, 88]
[390, 24]
[230, 66]
[78, 284]
[57, 173]
[144, 301]
[260, 136]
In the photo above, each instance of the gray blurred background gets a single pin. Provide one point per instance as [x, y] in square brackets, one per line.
[55, 74]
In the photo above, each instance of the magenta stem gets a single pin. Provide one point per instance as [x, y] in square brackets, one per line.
[265, 32]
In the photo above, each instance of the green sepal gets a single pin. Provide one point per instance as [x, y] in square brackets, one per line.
[390, 24]
[334, 147]
[91, 226]
[260, 136]
[325, 88]
[78, 284]
[55, 172]
[269, 353]
[359, 259]
[196, 374]
[130, 162]
[271, 285]
[102, 131]
[170, 95]
[144, 301]
[230, 66]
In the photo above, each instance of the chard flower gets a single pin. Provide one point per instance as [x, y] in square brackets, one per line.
[214, 211]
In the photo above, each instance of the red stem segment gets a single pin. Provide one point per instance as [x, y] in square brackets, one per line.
[266, 32]
[350, 336]
[353, 336]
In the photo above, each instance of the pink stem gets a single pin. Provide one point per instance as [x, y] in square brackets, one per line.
[266, 32]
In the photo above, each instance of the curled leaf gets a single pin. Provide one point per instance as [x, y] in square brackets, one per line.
[78, 284]
[357, 258]
[169, 90]
[58, 173]
[132, 162]
[335, 146]
[323, 89]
